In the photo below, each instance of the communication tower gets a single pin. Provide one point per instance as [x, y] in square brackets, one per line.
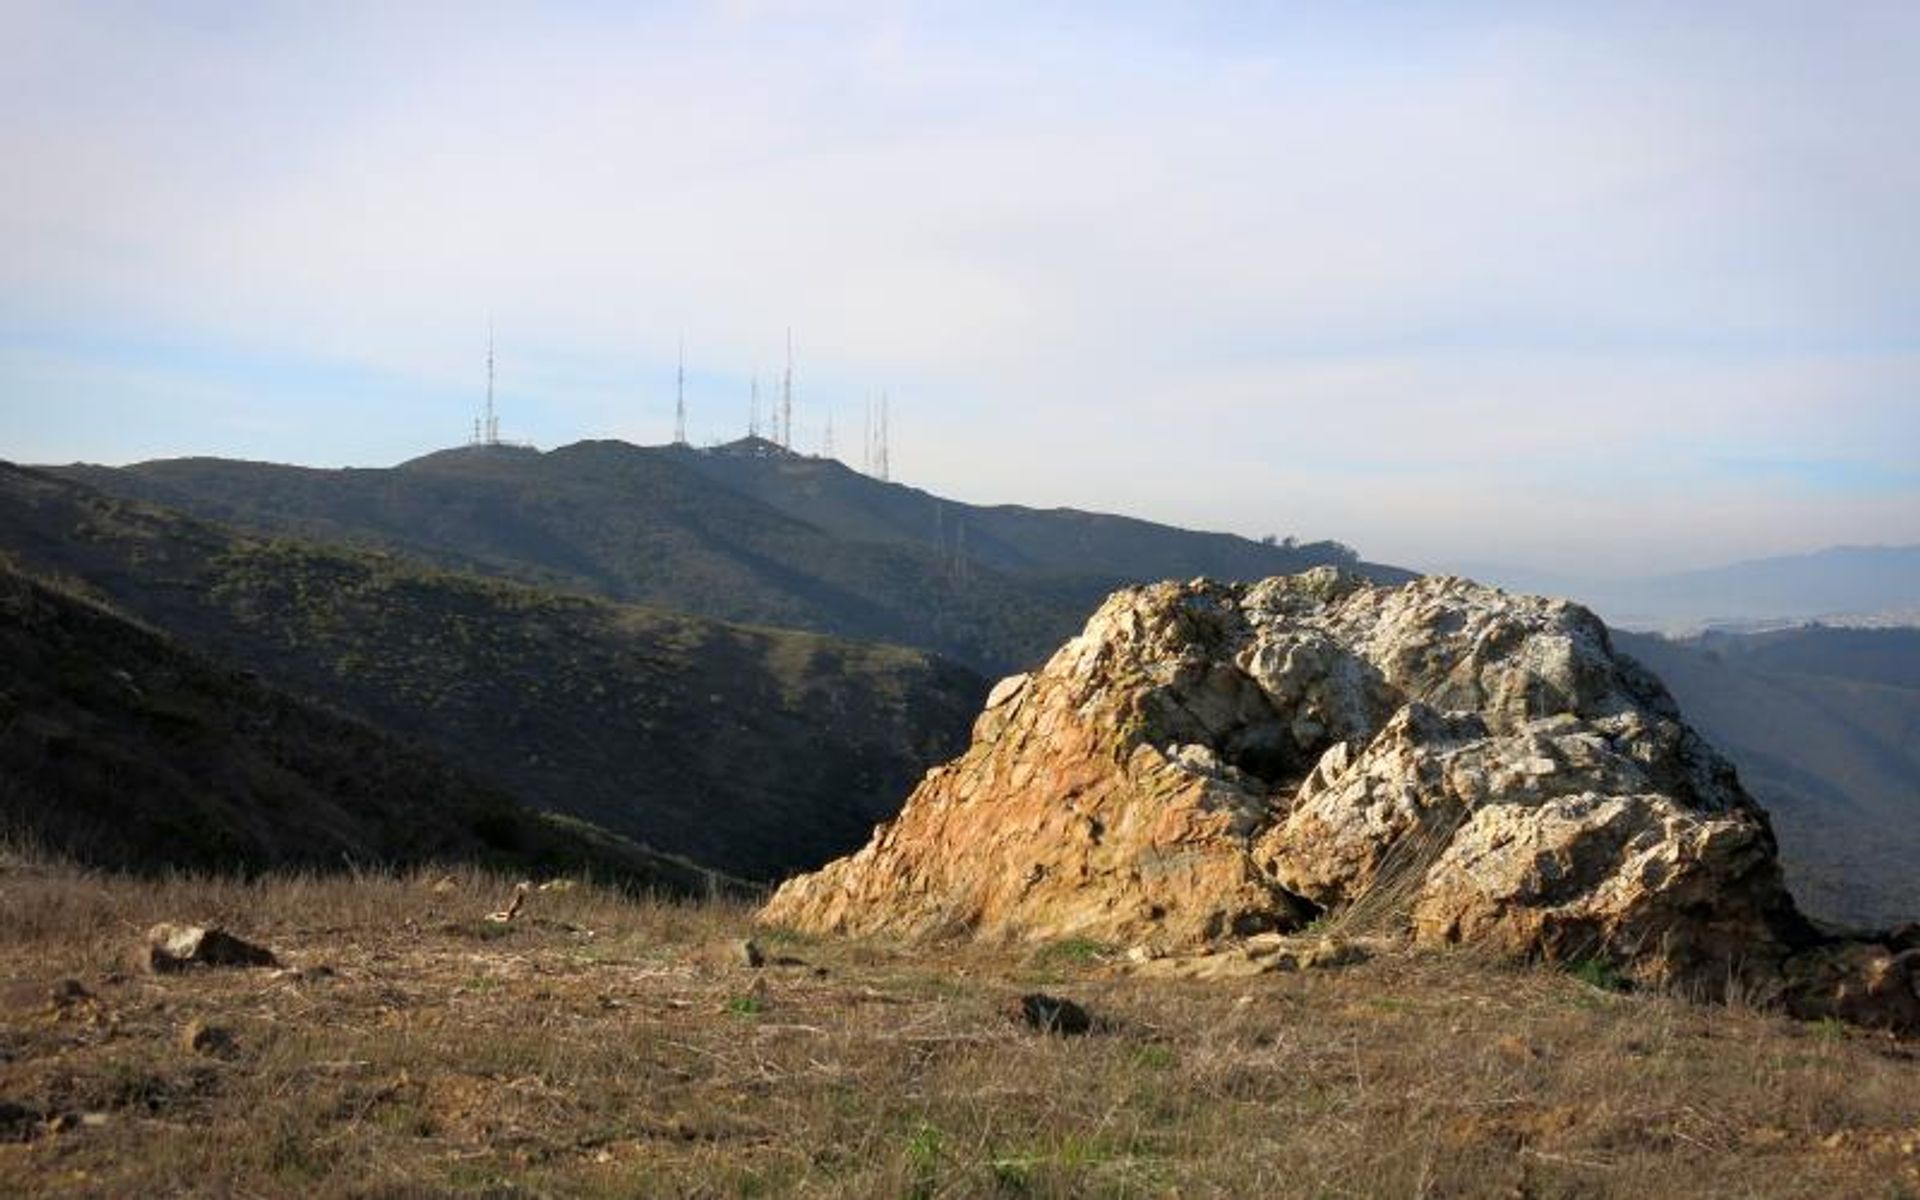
[680, 397]
[486, 426]
[786, 397]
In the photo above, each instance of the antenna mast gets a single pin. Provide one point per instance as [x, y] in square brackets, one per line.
[491, 435]
[753, 405]
[786, 397]
[827, 446]
[680, 397]
[881, 466]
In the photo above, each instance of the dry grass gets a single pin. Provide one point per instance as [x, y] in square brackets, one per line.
[604, 1046]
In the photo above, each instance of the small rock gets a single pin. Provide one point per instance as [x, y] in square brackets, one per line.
[177, 947]
[201, 1038]
[512, 909]
[1142, 953]
[1332, 952]
[557, 885]
[1050, 1014]
[444, 886]
[747, 953]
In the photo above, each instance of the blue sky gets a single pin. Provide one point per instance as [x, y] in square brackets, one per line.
[1593, 287]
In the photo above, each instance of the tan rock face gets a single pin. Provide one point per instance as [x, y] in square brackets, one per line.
[1439, 760]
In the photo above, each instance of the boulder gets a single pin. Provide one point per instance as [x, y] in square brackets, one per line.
[1438, 761]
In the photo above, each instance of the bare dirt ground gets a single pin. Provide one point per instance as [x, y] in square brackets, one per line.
[599, 1045]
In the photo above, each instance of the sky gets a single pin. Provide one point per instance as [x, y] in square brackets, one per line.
[1597, 288]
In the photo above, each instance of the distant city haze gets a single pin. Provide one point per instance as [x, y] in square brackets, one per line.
[1602, 290]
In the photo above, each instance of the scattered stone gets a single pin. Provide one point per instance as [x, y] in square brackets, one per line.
[1260, 954]
[446, 885]
[199, 1037]
[558, 885]
[747, 953]
[512, 909]
[178, 947]
[1050, 1014]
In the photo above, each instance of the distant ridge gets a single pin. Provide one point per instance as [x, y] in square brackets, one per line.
[747, 531]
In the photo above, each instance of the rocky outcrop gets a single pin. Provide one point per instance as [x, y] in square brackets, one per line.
[1439, 761]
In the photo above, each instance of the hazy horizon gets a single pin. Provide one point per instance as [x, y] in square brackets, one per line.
[1596, 292]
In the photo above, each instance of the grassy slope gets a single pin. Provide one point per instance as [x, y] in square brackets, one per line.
[1834, 759]
[753, 751]
[122, 748]
[600, 1047]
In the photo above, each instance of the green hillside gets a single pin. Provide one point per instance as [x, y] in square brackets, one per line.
[743, 533]
[121, 748]
[754, 751]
